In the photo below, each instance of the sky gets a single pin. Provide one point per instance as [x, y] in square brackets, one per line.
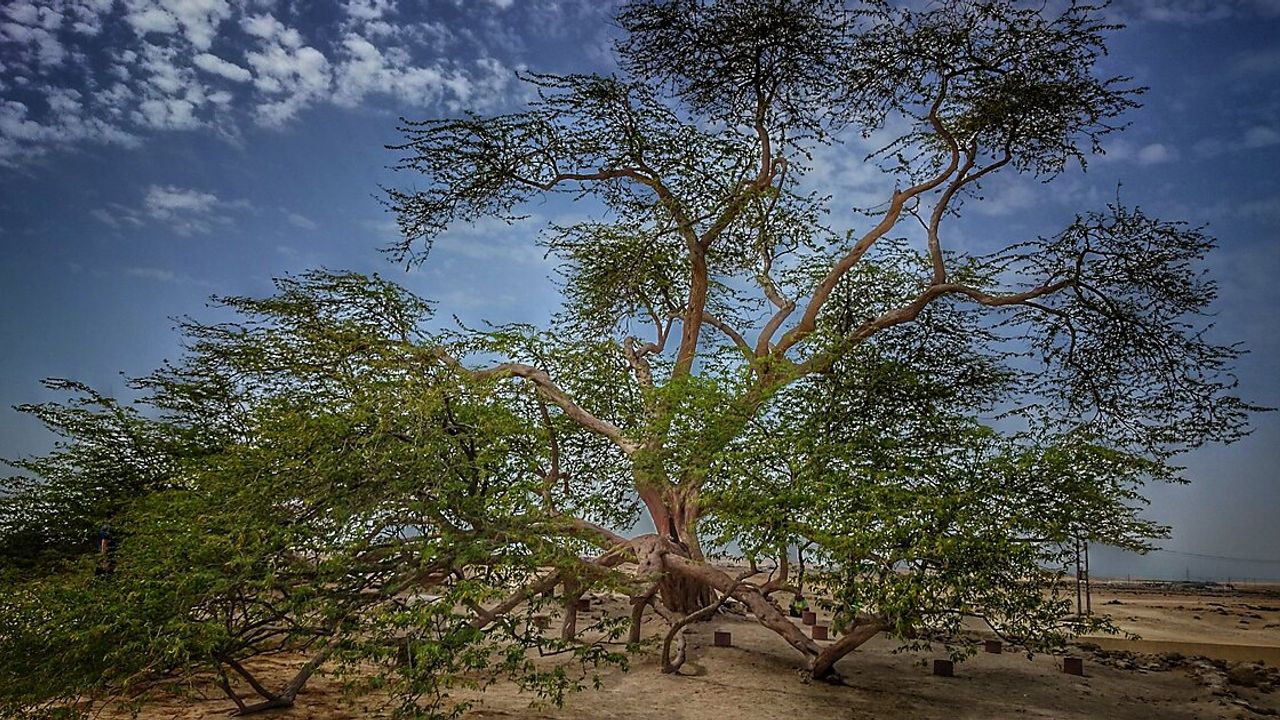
[156, 152]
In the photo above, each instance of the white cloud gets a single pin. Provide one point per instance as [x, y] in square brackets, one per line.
[37, 41]
[165, 202]
[1251, 138]
[366, 10]
[293, 78]
[165, 276]
[1156, 153]
[488, 240]
[23, 12]
[200, 19]
[1258, 62]
[172, 68]
[167, 114]
[118, 216]
[366, 69]
[151, 273]
[186, 211]
[22, 137]
[1121, 150]
[1266, 208]
[152, 20]
[267, 27]
[1192, 12]
[1006, 197]
[300, 221]
[1260, 136]
[217, 66]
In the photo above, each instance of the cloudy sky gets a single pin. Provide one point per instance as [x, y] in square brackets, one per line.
[155, 152]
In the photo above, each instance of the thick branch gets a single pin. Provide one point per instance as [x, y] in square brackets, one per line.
[809, 321]
[935, 246]
[962, 179]
[824, 664]
[764, 610]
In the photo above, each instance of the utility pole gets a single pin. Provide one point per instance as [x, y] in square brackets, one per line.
[1084, 588]
[1088, 587]
[1079, 603]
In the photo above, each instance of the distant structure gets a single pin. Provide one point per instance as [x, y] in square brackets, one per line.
[1084, 591]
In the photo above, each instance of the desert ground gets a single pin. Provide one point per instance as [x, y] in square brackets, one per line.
[1210, 651]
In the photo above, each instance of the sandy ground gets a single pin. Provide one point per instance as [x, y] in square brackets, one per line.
[759, 676]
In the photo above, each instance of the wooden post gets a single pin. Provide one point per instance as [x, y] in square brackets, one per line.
[944, 668]
[1073, 666]
[809, 617]
[819, 632]
[722, 638]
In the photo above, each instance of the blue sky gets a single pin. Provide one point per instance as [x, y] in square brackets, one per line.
[155, 152]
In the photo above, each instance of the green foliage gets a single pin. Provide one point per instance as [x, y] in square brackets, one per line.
[350, 491]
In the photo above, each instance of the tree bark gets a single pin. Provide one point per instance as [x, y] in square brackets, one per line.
[824, 664]
[572, 593]
[765, 611]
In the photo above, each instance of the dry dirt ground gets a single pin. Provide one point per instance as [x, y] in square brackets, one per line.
[759, 677]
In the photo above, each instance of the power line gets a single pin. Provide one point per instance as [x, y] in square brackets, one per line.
[1218, 557]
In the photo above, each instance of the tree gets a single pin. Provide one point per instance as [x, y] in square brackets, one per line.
[317, 479]
[716, 280]
[933, 425]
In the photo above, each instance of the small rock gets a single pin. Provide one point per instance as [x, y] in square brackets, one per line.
[1247, 675]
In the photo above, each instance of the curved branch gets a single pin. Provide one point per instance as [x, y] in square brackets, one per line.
[912, 310]
[724, 327]
[939, 210]
[552, 392]
[765, 611]
[670, 666]
[824, 664]
[809, 321]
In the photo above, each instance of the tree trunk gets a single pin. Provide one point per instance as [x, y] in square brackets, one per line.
[685, 595]
[675, 519]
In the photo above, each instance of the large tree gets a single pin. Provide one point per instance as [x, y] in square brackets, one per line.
[715, 277]
[935, 427]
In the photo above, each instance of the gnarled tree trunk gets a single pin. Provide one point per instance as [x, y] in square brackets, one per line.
[675, 519]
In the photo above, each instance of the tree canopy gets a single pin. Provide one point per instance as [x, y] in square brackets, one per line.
[936, 426]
